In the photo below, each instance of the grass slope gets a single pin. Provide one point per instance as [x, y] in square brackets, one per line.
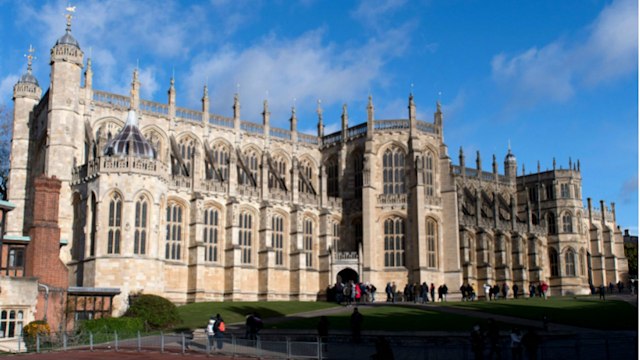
[195, 316]
[584, 312]
[391, 318]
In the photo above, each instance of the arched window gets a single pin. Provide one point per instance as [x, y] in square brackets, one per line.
[393, 171]
[141, 228]
[567, 223]
[335, 235]
[551, 223]
[570, 263]
[333, 178]
[394, 233]
[114, 230]
[308, 241]
[175, 234]
[79, 221]
[553, 262]
[187, 151]
[221, 161]
[245, 236]
[306, 170]
[277, 236]
[211, 234]
[549, 191]
[358, 167]
[94, 225]
[278, 165]
[565, 193]
[428, 170]
[250, 160]
[432, 238]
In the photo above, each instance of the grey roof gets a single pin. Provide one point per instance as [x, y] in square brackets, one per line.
[510, 157]
[28, 78]
[68, 39]
[130, 141]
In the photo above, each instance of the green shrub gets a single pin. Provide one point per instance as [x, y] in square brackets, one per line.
[155, 311]
[123, 325]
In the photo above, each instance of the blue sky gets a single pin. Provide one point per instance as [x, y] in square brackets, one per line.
[555, 78]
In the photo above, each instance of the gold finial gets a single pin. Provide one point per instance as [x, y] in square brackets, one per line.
[69, 15]
[30, 57]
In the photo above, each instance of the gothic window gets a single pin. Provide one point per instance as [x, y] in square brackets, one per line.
[187, 151]
[567, 223]
[333, 178]
[564, 191]
[581, 258]
[175, 232]
[250, 159]
[432, 238]
[11, 322]
[335, 236]
[357, 232]
[551, 223]
[154, 138]
[114, 225]
[428, 179]
[308, 241]
[576, 191]
[79, 220]
[534, 219]
[141, 227]
[570, 263]
[94, 225]
[394, 242]
[358, 167]
[307, 171]
[553, 261]
[245, 237]
[277, 235]
[280, 167]
[221, 161]
[533, 194]
[549, 191]
[211, 234]
[393, 171]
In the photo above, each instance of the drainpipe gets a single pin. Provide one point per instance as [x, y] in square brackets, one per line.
[46, 299]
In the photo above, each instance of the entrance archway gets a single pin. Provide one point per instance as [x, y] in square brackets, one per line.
[347, 274]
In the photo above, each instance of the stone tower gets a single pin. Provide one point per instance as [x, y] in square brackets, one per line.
[65, 128]
[26, 95]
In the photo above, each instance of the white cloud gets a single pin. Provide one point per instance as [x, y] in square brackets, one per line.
[556, 70]
[6, 88]
[373, 12]
[304, 68]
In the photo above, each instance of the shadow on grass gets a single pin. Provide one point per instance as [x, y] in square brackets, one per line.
[585, 312]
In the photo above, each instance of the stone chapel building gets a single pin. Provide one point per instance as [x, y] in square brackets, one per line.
[195, 206]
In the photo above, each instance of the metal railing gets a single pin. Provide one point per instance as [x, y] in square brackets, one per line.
[339, 345]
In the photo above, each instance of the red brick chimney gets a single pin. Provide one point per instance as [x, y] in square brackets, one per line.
[43, 260]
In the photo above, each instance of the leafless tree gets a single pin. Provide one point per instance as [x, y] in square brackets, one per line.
[6, 127]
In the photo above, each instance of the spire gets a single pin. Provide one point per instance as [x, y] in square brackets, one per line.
[478, 162]
[135, 90]
[30, 58]
[554, 163]
[494, 164]
[28, 78]
[294, 119]
[265, 112]
[69, 15]
[88, 75]
[437, 116]
[370, 118]
[320, 124]
[236, 106]
[538, 166]
[172, 97]
[67, 38]
[412, 107]
[205, 104]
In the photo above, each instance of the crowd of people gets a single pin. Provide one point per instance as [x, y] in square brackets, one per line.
[351, 293]
[416, 293]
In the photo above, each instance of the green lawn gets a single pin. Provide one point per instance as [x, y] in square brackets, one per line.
[392, 318]
[577, 311]
[195, 316]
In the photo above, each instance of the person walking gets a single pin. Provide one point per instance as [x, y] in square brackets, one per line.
[356, 325]
[433, 292]
[487, 292]
[515, 290]
[387, 289]
[210, 331]
[219, 329]
[516, 346]
[601, 291]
